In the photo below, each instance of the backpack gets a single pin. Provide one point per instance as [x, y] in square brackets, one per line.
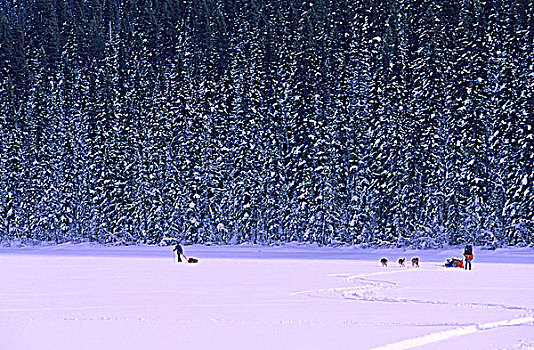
[468, 250]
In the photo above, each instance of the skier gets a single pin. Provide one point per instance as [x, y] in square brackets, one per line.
[468, 255]
[179, 251]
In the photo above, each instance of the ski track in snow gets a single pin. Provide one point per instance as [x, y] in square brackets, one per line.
[453, 333]
[368, 289]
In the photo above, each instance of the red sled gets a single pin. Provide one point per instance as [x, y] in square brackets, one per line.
[453, 262]
[192, 260]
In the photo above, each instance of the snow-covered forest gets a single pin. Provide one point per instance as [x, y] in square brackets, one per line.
[372, 122]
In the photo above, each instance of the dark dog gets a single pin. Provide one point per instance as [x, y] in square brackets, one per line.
[384, 262]
[402, 261]
[415, 262]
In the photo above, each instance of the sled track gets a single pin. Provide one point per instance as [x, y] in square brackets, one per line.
[453, 333]
[366, 289]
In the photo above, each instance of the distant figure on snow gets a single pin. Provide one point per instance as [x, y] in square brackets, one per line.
[402, 262]
[179, 251]
[384, 262]
[468, 255]
[415, 261]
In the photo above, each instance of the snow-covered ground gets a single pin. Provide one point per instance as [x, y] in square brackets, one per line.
[74, 297]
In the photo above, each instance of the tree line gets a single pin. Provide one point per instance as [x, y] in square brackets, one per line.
[367, 122]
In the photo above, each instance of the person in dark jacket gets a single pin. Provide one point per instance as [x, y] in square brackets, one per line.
[468, 255]
[179, 251]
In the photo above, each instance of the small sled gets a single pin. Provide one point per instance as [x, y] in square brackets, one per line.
[453, 262]
[192, 260]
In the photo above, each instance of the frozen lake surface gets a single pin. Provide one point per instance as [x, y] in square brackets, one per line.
[250, 297]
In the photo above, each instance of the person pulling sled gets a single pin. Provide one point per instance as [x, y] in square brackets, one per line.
[179, 252]
[468, 256]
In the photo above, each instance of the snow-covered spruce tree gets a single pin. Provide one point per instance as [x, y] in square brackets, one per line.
[424, 182]
[358, 125]
[518, 71]
[144, 108]
[382, 107]
[10, 157]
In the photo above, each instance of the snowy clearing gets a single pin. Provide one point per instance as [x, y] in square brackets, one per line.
[91, 297]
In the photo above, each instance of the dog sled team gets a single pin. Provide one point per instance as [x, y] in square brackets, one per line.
[452, 262]
[401, 262]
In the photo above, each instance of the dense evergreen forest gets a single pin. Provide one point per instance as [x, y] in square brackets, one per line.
[368, 122]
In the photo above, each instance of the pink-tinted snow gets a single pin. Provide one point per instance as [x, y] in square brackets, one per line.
[249, 297]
